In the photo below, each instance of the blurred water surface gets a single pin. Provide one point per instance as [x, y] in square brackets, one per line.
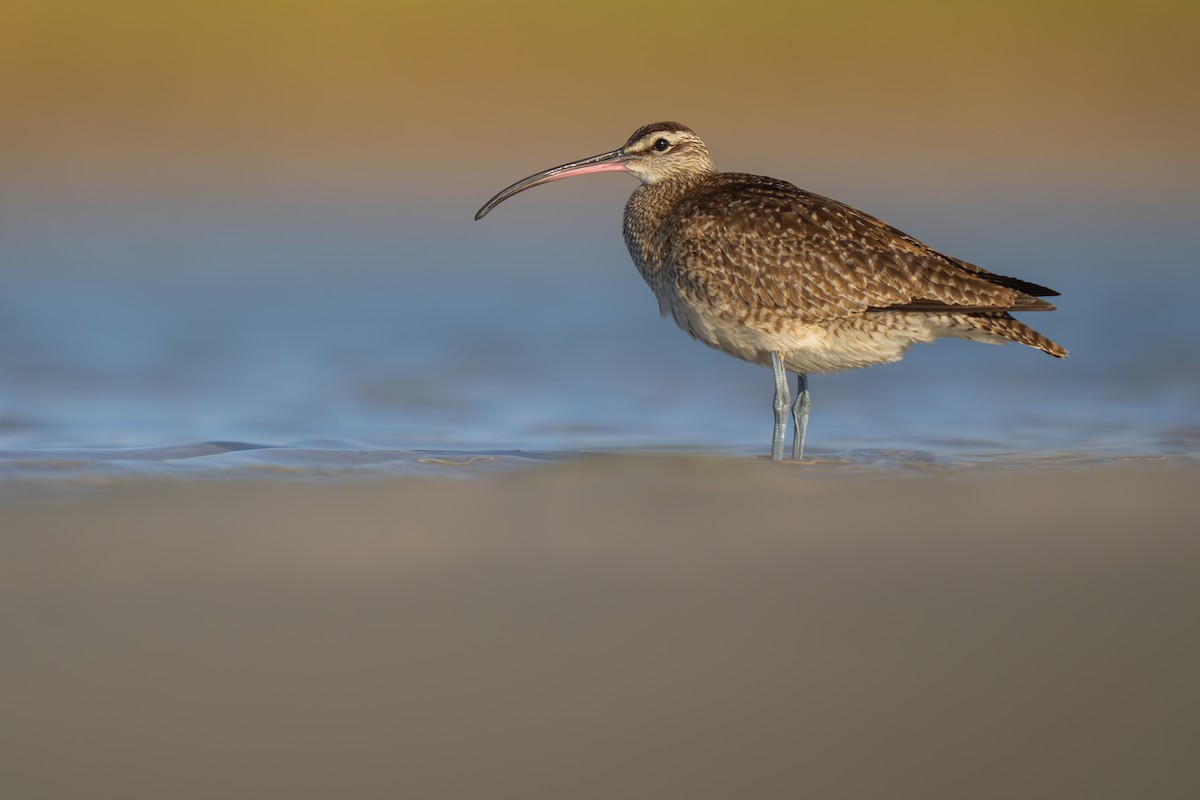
[223, 337]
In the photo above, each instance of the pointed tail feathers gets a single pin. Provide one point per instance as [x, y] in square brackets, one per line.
[1016, 331]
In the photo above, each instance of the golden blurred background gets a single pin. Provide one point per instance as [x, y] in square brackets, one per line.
[301, 94]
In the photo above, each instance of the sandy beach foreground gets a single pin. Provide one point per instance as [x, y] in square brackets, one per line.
[620, 628]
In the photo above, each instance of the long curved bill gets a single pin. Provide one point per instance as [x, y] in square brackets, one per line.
[614, 161]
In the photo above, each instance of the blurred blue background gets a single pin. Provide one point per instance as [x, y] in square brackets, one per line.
[270, 323]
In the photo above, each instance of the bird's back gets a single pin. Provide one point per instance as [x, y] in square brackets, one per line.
[729, 250]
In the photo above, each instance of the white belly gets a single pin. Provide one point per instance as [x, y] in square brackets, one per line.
[849, 343]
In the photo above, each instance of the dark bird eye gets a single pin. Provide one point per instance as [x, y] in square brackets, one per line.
[661, 145]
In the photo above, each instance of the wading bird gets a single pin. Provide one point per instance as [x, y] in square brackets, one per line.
[774, 275]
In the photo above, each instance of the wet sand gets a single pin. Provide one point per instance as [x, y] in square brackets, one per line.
[625, 627]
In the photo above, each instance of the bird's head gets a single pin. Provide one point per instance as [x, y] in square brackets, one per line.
[661, 151]
[666, 151]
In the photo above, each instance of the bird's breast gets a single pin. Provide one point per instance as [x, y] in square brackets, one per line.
[645, 218]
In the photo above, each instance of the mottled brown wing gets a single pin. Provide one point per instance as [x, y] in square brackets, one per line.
[747, 242]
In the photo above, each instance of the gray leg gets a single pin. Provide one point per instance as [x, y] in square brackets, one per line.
[783, 400]
[800, 411]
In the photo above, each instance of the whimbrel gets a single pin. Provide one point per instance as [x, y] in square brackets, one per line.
[774, 275]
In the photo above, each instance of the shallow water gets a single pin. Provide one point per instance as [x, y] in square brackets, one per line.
[189, 339]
